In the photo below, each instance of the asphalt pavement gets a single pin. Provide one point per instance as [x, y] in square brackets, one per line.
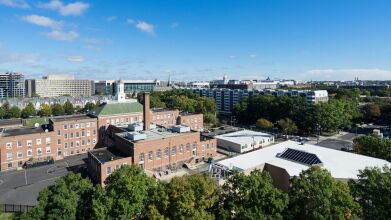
[22, 187]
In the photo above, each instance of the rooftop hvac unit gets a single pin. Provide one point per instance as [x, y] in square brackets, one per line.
[180, 128]
[136, 136]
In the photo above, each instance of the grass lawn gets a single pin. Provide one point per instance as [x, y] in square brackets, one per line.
[31, 121]
[6, 216]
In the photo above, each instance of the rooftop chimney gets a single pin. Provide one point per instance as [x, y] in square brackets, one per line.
[147, 114]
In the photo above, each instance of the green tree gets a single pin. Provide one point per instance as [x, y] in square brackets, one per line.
[6, 108]
[45, 110]
[372, 112]
[89, 106]
[287, 125]
[14, 112]
[2, 112]
[251, 197]
[372, 191]
[29, 111]
[57, 109]
[315, 194]
[68, 198]
[192, 197]
[68, 108]
[373, 146]
[264, 124]
[126, 194]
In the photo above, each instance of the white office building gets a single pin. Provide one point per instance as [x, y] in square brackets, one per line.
[243, 141]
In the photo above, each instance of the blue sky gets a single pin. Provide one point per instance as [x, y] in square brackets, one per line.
[197, 40]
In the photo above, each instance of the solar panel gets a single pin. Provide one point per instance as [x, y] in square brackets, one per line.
[300, 157]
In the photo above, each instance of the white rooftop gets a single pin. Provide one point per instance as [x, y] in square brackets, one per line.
[244, 137]
[341, 165]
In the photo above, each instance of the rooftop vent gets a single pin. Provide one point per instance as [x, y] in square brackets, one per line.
[180, 128]
[136, 136]
[135, 127]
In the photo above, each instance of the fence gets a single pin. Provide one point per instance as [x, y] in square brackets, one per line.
[15, 208]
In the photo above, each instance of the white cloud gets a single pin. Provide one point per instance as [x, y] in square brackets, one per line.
[76, 59]
[15, 3]
[145, 27]
[348, 74]
[111, 18]
[74, 8]
[92, 48]
[253, 55]
[13, 57]
[42, 21]
[62, 36]
[174, 25]
[130, 21]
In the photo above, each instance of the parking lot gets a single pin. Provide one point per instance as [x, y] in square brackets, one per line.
[22, 187]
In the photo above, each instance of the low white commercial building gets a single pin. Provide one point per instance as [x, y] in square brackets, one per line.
[290, 158]
[243, 141]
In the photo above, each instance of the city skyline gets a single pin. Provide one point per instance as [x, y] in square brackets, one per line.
[197, 40]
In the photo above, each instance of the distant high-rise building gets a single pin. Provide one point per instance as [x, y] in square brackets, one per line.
[60, 85]
[12, 85]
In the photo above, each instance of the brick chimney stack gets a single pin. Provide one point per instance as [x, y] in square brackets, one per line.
[146, 112]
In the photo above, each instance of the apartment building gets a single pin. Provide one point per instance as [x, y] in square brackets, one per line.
[60, 85]
[226, 99]
[12, 85]
[63, 136]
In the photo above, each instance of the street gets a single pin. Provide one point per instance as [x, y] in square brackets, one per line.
[22, 187]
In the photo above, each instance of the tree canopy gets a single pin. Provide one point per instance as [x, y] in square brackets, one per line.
[264, 124]
[29, 111]
[315, 194]
[372, 191]
[287, 125]
[68, 108]
[374, 146]
[57, 109]
[45, 110]
[14, 112]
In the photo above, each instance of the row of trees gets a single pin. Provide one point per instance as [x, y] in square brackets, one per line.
[184, 100]
[374, 146]
[45, 110]
[131, 194]
[293, 113]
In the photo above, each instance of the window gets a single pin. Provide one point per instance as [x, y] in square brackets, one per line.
[83, 142]
[58, 132]
[29, 143]
[94, 141]
[71, 126]
[29, 153]
[39, 141]
[150, 155]
[82, 133]
[108, 170]
[59, 141]
[141, 156]
[9, 156]
[48, 140]
[19, 143]
[88, 142]
[77, 143]
[166, 152]
[88, 133]
[8, 145]
[87, 124]
[158, 154]
[76, 126]
[207, 146]
[65, 145]
[71, 135]
[94, 132]
[39, 151]
[65, 127]
[82, 125]
[65, 136]
[48, 150]
[77, 134]
[194, 146]
[180, 148]
[188, 147]
[173, 150]
[71, 143]
[20, 154]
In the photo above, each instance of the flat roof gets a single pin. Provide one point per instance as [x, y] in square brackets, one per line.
[70, 117]
[6, 132]
[244, 137]
[163, 109]
[153, 134]
[104, 155]
[340, 164]
[222, 130]
[10, 122]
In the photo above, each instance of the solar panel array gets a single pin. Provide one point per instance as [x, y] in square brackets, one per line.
[300, 157]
